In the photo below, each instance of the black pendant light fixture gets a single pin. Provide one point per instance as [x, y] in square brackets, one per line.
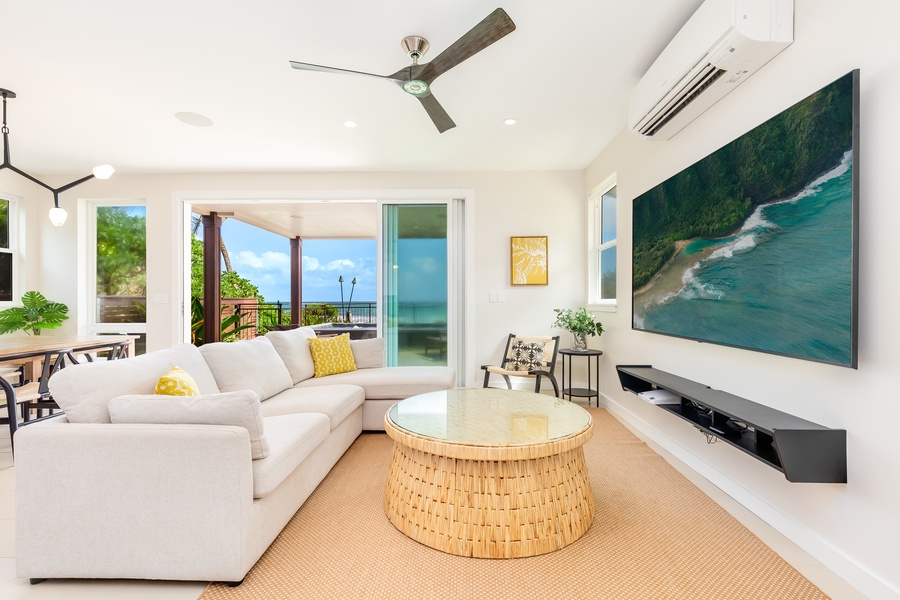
[57, 214]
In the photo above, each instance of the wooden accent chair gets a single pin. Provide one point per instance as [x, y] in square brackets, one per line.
[527, 356]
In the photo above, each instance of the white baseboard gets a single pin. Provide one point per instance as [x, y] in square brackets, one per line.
[833, 558]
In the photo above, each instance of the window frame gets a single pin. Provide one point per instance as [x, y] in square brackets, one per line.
[14, 250]
[93, 326]
[595, 245]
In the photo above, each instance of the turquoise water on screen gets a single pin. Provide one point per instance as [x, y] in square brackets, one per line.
[782, 284]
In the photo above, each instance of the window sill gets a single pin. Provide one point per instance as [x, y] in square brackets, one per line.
[608, 308]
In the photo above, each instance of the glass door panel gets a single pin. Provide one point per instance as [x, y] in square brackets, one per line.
[414, 304]
[119, 261]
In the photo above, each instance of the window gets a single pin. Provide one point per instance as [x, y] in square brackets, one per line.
[602, 240]
[118, 290]
[7, 252]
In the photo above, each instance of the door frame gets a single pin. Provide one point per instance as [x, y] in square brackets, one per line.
[460, 354]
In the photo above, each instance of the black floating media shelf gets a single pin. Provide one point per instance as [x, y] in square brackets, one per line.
[804, 451]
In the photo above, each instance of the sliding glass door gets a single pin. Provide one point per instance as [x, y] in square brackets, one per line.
[415, 280]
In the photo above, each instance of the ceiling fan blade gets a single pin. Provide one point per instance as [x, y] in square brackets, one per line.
[438, 115]
[310, 67]
[493, 27]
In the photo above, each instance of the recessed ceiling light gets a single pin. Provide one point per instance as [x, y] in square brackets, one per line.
[509, 121]
[194, 119]
[350, 124]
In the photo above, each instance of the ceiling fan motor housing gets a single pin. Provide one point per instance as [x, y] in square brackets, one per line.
[415, 47]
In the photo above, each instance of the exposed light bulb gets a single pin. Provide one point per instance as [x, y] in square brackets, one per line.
[58, 216]
[103, 171]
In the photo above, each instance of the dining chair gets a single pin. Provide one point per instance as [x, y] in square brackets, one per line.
[16, 395]
[52, 364]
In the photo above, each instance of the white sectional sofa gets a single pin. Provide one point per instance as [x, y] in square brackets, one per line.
[131, 485]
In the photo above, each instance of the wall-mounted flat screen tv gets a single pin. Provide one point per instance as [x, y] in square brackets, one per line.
[755, 246]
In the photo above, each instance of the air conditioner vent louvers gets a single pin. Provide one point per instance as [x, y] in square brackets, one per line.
[734, 38]
[705, 78]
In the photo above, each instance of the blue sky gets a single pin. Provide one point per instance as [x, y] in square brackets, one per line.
[265, 259]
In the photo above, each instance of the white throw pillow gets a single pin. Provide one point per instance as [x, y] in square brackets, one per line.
[241, 409]
[368, 354]
[247, 365]
[83, 391]
[293, 348]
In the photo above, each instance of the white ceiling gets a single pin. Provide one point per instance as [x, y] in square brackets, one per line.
[100, 81]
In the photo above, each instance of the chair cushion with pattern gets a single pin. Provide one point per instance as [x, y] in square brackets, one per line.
[525, 356]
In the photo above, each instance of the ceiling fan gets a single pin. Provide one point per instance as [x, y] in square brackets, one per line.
[416, 79]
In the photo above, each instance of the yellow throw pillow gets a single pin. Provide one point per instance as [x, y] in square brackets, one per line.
[177, 382]
[332, 355]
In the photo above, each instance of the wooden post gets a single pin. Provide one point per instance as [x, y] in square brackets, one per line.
[296, 281]
[212, 278]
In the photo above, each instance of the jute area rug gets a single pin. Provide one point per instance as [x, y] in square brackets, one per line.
[655, 535]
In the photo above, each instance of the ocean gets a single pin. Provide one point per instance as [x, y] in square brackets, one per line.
[781, 284]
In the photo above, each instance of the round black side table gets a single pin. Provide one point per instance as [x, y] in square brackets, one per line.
[588, 392]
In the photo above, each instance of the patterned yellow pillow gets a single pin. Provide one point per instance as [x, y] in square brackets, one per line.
[332, 355]
[177, 382]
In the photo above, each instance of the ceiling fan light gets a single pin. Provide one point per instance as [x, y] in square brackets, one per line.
[58, 216]
[103, 171]
[415, 87]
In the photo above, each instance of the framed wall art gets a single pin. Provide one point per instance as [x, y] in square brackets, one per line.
[528, 260]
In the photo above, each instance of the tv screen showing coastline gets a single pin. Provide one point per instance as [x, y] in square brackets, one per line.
[755, 245]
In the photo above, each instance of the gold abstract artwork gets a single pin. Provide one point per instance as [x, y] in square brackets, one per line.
[529, 260]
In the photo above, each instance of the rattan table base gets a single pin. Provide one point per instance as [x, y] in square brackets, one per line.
[489, 502]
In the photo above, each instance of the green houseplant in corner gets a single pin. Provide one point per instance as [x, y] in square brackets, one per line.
[580, 323]
[36, 313]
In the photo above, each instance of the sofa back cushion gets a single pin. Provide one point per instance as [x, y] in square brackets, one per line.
[368, 354]
[293, 348]
[241, 409]
[83, 391]
[247, 365]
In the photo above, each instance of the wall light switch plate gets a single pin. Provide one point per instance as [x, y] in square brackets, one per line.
[492, 296]
[501, 296]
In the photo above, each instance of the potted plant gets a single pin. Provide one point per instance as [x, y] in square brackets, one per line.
[580, 323]
[36, 313]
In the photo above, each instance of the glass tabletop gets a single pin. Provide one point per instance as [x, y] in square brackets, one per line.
[489, 416]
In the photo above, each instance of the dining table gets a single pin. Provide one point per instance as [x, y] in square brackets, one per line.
[33, 351]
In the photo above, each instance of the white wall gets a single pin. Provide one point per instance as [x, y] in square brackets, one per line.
[506, 204]
[852, 528]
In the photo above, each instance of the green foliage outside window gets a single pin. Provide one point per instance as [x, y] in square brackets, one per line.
[121, 251]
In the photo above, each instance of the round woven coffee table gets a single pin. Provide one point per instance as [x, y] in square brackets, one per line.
[489, 473]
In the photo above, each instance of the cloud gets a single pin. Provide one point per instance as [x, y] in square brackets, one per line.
[310, 263]
[313, 264]
[267, 261]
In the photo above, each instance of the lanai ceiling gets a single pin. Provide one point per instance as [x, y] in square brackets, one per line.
[101, 81]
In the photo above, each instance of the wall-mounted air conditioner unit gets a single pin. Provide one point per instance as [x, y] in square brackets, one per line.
[722, 44]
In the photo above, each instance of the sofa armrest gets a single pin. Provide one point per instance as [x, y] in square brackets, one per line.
[133, 501]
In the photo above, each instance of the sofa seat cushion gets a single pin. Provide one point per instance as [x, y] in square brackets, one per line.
[388, 383]
[83, 391]
[292, 438]
[335, 401]
[247, 365]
